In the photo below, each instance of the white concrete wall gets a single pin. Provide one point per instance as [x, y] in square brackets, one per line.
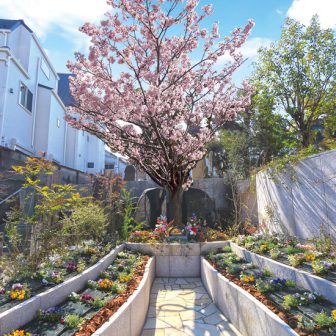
[300, 200]
[42, 117]
[57, 129]
[2, 38]
[19, 42]
[95, 153]
[71, 147]
[17, 121]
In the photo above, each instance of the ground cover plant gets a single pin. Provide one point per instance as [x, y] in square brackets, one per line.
[316, 256]
[307, 312]
[83, 312]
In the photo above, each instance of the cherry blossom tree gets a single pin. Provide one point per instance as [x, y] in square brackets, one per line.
[155, 87]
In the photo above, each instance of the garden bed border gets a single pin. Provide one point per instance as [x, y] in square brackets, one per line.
[244, 311]
[302, 278]
[177, 259]
[130, 318]
[26, 311]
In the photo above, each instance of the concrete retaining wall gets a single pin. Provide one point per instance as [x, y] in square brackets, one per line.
[27, 310]
[301, 198]
[177, 260]
[245, 312]
[215, 188]
[131, 316]
[303, 279]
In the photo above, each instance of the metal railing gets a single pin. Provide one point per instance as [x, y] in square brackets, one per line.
[10, 196]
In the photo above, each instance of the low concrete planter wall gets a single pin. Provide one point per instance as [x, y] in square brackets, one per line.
[302, 278]
[177, 260]
[26, 311]
[131, 316]
[245, 312]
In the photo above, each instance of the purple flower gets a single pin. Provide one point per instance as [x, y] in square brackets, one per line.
[2, 291]
[17, 286]
[327, 264]
[45, 282]
[71, 266]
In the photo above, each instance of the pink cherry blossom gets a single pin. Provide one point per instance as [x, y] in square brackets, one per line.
[145, 95]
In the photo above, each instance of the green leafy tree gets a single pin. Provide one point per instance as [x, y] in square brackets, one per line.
[43, 226]
[299, 72]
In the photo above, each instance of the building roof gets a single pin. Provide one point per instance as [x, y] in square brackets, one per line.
[64, 89]
[13, 24]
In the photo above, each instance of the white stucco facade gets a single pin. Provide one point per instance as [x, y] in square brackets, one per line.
[31, 111]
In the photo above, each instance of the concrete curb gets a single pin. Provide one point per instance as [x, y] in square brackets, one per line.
[302, 278]
[131, 316]
[26, 311]
[177, 260]
[243, 310]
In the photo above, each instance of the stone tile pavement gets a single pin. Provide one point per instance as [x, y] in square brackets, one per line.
[182, 307]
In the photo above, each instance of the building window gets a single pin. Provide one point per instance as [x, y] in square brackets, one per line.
[58, 123]
[45, 68]
[25, 97]
[90, 165]
[87, 138]
[109, 166]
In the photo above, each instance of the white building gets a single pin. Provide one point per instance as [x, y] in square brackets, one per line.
[115, 164]
[33, 101]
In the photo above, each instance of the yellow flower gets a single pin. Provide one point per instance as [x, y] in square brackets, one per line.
[124, 278]
[310, 257]
[18, 333]
[105, 283]
[18, 294]
[248, 278]
[333, 314]
[263, 248]
[13, 295]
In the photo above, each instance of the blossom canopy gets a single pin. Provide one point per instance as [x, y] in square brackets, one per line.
[154, 86]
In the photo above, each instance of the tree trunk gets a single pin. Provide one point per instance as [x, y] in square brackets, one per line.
[305, 138]
[174, 206]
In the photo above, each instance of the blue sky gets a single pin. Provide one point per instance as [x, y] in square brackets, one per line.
[56, 22]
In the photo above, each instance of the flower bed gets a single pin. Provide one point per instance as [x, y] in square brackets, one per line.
[306, 312]
[49, 275]
[195, 230]
[52, 295]
[84, 312]
[318, 259]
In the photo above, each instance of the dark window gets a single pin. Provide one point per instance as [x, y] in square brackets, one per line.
[29, 101]
[109, 166]
[90, 165]
[25, 97]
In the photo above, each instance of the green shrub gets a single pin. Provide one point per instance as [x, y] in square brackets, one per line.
[86, 221]
[295, 260]
[290, 301]
[275, 253]
[318, 267]
[323, 320]
[73, 321]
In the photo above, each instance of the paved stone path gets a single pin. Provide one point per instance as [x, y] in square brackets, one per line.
[181, 306]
